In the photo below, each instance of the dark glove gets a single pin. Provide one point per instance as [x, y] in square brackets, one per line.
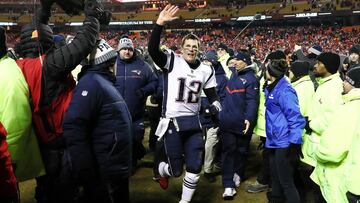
[294, 153]
[210, 111]
[139, 93]
[352, 197]
[105, 18]
[307, 126]
[94, 9]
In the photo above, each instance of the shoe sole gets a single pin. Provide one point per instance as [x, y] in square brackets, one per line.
[257, 191]
[229, 198]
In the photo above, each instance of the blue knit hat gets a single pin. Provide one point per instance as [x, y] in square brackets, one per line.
[316, 49]
[243, 57]
[211, 56]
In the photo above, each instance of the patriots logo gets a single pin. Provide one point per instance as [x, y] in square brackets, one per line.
[84, 93]
[243, 80]
[137, 72]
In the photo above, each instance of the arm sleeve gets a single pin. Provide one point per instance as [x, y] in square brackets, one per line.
[77, 126]
[336, 140]
[221, 87]
[252, 101]
[159, 57]
[59, 63]
[151, 81]
[211, 95]
[289, 105]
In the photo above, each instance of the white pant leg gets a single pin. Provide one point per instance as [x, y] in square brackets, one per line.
[210, 150]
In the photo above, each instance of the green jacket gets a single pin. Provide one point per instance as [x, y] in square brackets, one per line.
[335, 142]
[15, 115]
[327, 99]
[260, 123]
[223, 61]
[352, 166]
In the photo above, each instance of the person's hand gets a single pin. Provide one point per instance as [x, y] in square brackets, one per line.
[94, 9]
[247, 126]
[167, 14]
[139, 93]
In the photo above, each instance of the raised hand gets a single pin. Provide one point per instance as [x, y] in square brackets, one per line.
[167, 14]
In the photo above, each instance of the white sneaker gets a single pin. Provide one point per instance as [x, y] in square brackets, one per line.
[236, 180]
[183, 201]
[161, 169]
[229, 193]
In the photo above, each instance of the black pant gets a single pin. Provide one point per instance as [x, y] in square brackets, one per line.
[116, 191]
[47, 186]
[264, 175]
[154, 118]
[282, 177]
[159, 156]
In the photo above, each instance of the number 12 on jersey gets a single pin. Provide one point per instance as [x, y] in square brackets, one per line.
[192, 91]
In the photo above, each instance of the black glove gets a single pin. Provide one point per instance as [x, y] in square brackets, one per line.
[105, 18]
[294, 153]
[307, 126]
[96, 9]
[352, 197]
[210, 111]
[139, 93]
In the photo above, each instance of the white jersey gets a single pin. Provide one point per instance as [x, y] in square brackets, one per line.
[183, 85]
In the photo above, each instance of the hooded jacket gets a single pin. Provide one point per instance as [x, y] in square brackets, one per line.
[221, 81]
[327, 98]
[15, 115]
[336, 153]
[50, 81]
[284, 122]
[241, 101]
[97, 127]
[131, 76]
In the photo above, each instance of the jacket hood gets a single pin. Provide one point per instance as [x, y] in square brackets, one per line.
[101, 69]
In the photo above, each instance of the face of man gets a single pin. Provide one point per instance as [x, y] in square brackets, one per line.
[221, 52]
[319, 69]
[126, 53]
[347, 87]
[231, 63]
[190, 50]
[354, 57]
[240, 64]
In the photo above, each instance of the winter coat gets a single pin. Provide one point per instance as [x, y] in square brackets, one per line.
[97, 128]
[8, 185]
[221, 81]
[241, 101]
[327, 98]
[284, 122]
[260, 123]
[223, 60]
[333, 152]
[15, 115]
[131, 76]
[352, 167]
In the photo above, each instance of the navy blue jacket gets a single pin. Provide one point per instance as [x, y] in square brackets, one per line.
[221, 81]
[284, 122]
[131, 76]
[97, 128]
[241, 101]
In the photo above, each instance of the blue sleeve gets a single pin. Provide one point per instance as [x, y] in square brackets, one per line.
[78, 122]
[221, 87]
[151, 81]
[289, 105]
[252, 101]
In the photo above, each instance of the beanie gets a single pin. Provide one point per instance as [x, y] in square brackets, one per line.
[276, 55]
[300, 68]
[243, 57]
[316, 49]
[277, 68]
[212, 57]
[3, 48]
[223, 46]
[125, 43]
[355, 49]
[102, 53]
[353, 77]
[330, 60]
